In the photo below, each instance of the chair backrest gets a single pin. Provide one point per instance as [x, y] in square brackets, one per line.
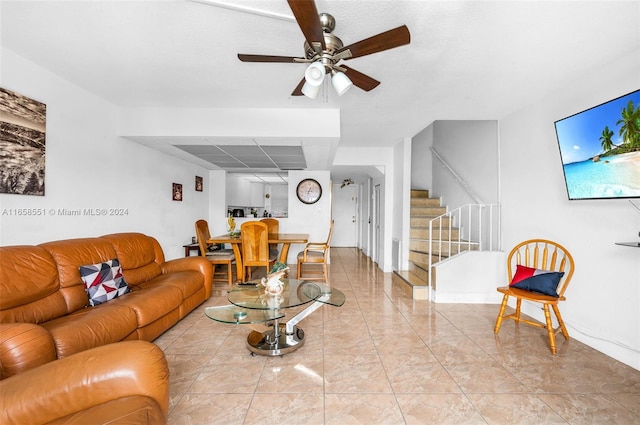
[202, 234]
[272, 224]
[330, 233]
[254, 236]
[274, 227]
[542, 254]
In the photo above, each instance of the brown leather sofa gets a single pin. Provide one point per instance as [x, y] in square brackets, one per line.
[63, 361]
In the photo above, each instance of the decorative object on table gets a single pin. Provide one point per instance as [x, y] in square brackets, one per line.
[254, 212]
[273, 284]
[278, 266]
[22, 133]
[199, 184]
[309, 191]
[232, 224]
[176, 193]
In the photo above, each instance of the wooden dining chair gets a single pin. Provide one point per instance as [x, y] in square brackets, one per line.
[539, 271]
[314, 254]
[218, 257]
[274, 227]
[254, 236]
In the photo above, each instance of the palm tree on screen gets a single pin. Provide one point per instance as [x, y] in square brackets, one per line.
[605, 139]
[630, 128]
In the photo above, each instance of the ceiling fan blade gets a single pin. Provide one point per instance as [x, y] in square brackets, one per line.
[360, 80]
[384, 41]
[267, 58]
[306, 14]
[298, 90]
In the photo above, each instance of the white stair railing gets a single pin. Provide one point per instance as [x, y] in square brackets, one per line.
[478, 227]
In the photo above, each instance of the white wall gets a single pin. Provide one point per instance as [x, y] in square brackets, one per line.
[471, 149]
[603, 299]
[421, 163]
[314, 219]
[89, 167]
[402, 199]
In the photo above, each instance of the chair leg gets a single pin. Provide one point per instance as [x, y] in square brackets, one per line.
[230, 274]
[517, 314]
[299, 271]
[325, 272]
[503, 306]
[550, 331]
[565, 333]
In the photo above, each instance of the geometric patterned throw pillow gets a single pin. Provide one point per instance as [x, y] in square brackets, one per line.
[103, 281]
[536, 280]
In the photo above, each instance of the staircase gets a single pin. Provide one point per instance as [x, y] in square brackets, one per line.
[445, 243]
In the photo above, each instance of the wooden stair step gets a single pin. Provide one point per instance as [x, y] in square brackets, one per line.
[428, 211]
[417, 193]
[423, 233]
[425, 202]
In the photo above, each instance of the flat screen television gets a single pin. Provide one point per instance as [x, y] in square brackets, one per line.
[600, 150]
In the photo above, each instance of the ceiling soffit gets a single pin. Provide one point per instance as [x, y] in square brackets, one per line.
[250, 157]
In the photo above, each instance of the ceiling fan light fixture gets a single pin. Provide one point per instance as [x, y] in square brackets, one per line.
[341, 83]
[314, 75]
[310, 91]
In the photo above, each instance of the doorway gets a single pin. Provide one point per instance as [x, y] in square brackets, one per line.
[345, 207]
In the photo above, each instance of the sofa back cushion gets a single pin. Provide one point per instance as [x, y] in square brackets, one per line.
[140, 256]
[69, 255]
[29, 286]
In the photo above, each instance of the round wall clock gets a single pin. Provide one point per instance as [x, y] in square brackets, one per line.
[309, 191]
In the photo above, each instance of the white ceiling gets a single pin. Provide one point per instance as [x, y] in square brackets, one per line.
[467, 59]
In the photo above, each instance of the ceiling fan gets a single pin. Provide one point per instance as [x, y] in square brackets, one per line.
[324, 52]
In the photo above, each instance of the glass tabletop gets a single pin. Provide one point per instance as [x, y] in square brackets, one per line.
[241, 316]
[328, 295]
[252, 295]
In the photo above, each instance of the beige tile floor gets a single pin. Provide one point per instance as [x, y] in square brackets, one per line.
[383, 358]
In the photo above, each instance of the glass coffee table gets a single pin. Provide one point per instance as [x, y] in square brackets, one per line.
[250, 305]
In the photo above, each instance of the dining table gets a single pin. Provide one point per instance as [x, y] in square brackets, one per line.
[286, 239]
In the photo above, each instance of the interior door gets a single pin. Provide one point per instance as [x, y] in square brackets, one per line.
[377, 243]
[345, 201]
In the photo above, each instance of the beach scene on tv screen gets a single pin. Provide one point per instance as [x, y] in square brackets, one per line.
[600, 150]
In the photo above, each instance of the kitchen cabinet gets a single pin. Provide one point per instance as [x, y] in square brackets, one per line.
[243, 193]
[256, 195]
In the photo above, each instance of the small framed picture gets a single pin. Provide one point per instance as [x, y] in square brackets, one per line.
[198, 184]
[177, 192]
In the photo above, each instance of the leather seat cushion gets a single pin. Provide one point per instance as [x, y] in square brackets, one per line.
[91, 327]
[188, 282]
[151, 301]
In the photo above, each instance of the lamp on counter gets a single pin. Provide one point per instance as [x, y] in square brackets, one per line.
[314, 76]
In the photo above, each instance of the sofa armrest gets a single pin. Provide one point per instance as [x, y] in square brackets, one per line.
[199, 264]
[84, 381]
[24, 346]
